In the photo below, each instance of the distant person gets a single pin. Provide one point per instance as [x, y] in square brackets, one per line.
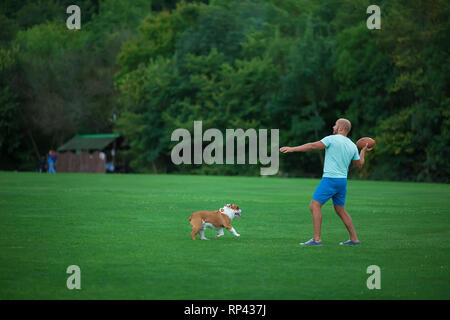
[51, 160]
[42, 165]
[340, 152]
[110, 167]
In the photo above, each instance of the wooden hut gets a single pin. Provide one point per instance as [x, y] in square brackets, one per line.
[87, 153]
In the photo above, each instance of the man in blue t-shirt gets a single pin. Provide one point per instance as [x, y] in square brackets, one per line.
[340, 151]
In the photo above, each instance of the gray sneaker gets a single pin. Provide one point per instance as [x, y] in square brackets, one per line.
[311, 242]
[350, 243]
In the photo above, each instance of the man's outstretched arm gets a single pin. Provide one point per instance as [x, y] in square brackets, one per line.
[304, 147]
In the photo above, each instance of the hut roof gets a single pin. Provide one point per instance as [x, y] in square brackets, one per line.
[89, 142]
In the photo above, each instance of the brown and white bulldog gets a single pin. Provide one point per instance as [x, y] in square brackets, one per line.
[216, 220]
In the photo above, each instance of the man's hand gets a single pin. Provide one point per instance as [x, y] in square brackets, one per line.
[286, 149]
[366, 148]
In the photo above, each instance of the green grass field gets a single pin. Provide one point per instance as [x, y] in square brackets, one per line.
[129, 234]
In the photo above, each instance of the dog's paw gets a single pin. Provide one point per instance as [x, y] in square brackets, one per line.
[237, 235]
[219, 235]
[204, 239]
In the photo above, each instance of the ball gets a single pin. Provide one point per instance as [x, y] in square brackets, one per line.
[366, 140]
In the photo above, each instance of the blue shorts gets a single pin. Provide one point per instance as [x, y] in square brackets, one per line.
[335, 188]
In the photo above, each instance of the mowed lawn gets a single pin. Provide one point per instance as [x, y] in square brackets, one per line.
[129, 234]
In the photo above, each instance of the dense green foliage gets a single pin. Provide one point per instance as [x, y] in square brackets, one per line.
[294, 65]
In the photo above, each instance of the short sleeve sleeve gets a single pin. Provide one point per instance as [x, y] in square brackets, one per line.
[326, 141]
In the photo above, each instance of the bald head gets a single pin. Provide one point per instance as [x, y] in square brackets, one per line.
[342, 126]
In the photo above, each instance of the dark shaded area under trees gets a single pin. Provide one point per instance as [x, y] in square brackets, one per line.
[295, 65]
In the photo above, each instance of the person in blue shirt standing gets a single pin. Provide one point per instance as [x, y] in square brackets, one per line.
[340, 151]
[51, 159]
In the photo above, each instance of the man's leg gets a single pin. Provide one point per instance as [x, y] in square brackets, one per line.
[315, 207]
[345, 217]
[322, 194]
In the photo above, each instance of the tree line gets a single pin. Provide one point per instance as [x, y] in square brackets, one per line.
[146, 68]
